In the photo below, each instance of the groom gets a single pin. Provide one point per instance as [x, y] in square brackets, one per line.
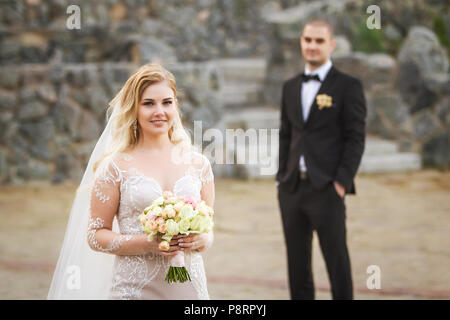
[321, 144]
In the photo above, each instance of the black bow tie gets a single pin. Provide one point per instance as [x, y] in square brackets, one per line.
[307, 77]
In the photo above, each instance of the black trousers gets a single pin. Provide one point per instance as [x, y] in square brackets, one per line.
[302, 212]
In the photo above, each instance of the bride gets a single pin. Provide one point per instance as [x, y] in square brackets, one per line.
[142, 152]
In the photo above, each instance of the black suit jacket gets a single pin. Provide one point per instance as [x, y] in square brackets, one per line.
[331, 140]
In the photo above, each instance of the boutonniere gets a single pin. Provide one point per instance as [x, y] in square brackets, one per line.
[323, 101]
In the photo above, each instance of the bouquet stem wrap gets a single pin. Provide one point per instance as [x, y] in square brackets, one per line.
[177, 270]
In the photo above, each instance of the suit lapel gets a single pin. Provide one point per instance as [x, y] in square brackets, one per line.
[323, 89]
[297, 97]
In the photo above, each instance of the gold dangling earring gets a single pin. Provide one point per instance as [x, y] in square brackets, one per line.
[171, 130]
[135, 129]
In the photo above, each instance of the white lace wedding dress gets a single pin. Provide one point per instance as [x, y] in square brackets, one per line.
[143, 276]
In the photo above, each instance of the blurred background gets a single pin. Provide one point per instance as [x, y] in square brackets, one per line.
[230, 58]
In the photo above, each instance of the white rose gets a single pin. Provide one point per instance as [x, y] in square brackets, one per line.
[172, 227]
[186, 212]
[201, 224]
[158, 201]
[178, 206]
[196, 223]
[203, 209]
[164, 245]
[157, 211]
[172, 200]
[184, 225]
[169, 211]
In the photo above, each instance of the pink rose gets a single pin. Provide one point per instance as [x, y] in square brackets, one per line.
[162, 228]
[152, 225]
[189, 200]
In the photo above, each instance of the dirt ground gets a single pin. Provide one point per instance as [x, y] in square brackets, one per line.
[399, 222]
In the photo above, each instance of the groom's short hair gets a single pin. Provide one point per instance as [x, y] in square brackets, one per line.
[320, 22]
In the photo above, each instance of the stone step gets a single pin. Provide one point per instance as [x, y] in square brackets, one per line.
[384, 163]
[395, 162]
[375, 146]
[241, 94]
[265, 161]
[242, 70]
[257, 118]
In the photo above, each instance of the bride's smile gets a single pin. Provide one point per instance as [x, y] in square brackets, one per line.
[158, 122]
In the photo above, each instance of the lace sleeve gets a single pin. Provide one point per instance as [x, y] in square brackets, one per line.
[206, 174]
[104, 203]
[208, 195]
[207, 179]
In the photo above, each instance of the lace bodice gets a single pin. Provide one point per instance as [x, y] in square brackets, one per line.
[138, 191]
[133, 191]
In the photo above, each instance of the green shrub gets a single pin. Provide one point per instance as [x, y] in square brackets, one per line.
[439, 29]
[367, 40]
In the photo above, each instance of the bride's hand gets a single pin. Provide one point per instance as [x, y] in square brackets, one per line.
[153, 246]
[193, 241]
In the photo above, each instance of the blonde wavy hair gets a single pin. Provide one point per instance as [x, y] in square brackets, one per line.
[127, 102]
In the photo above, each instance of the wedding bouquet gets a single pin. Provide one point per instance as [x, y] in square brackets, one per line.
[169, 216]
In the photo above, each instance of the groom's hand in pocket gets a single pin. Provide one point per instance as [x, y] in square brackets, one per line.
[340, 190]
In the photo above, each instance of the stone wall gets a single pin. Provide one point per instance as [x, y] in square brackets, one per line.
[52, 115]
[34, 31]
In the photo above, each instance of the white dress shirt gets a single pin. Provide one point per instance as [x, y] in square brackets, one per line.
[309, 92]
